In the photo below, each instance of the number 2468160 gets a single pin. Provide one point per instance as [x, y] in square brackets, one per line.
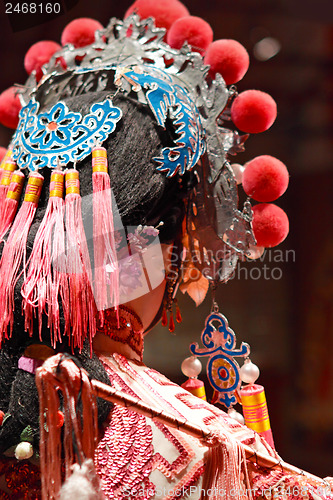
[33, 8]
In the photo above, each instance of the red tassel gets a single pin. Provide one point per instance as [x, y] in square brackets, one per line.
[6, 175]
[46, 276]
[80, 432]
[82, 309]
[14, 252]
[11, 202]
[104, 242]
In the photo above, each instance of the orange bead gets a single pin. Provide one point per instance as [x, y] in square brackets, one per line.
[179, 318]
[171, 324]
[164, 317]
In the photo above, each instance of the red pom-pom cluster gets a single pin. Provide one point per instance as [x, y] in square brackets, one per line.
[3, 151]
[10, 106]
[165, 12]
[229, 58]
[270, 224]
[80, 32]
[193, 30]
[39, 54]
[253, 111]
[265, 178]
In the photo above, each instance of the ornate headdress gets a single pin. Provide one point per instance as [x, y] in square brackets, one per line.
[131, 57]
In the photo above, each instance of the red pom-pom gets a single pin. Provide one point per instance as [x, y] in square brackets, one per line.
[270, 224]
[165, 12]
[265, 178]
[9, 107]
[80, 32]
[193, 30]
[3, 151]
[39, 54]
[253, 111]
[229, 58]
[1, 416]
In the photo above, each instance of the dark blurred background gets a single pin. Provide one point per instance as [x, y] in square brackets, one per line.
[283, 310]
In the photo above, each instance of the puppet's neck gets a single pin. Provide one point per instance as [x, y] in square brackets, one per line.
[121, 332]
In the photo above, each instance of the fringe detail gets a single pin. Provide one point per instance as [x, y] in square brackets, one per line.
[81, 305]
[14, 253]
[105, 253]
[11, 202]
[226, 474]
[46, 276]
[80, 431]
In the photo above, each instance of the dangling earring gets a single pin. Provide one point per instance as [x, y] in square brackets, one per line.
[171, 290]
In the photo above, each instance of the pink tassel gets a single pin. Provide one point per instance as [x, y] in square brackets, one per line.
[226, 474]
[104, 241]
[82, 309]
[11, 202]
[80, 432]
[46, 276]
[6, 175]
[14, 252]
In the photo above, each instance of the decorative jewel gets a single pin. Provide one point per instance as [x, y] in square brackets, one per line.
[24, 450]
[191, 367]
[255, 411]
[249, 372]
[255, 252]
[139, 240]
[41, 140]
[238, 171]
[222, 368]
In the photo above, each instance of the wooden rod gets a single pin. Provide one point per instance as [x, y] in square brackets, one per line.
[114, 396]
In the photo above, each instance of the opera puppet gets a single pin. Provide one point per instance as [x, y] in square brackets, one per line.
[117, 189]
